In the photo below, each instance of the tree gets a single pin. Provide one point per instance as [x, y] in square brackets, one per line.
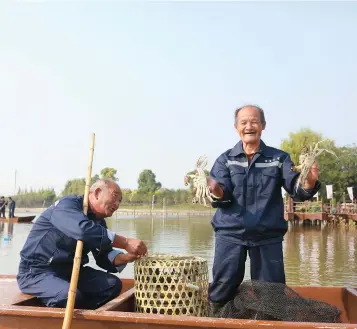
[296, 141]
[94, 179]
[35, 198]
[109, 173]
[147, 182]
[348, 159]
[77, 185]
[329, 167]
[48, 195]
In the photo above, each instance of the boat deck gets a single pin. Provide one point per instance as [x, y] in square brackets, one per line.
[10, 293]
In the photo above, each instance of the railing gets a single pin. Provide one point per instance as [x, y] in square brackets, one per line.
[318, 206]
[310, 207]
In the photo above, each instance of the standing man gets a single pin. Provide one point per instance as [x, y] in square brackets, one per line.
[11, 205]
[47, 256]
[247, 181]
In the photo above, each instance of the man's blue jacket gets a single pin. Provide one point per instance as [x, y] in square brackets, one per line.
[52, 241]
[252, 209]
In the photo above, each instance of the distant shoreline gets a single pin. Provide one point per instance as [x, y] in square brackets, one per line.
[138, 211]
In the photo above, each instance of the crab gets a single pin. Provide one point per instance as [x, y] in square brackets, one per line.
[307, 158]
[199, 180]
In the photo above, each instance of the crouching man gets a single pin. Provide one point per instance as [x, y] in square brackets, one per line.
[47, 257]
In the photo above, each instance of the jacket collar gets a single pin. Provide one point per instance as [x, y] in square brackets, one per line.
[238, 149]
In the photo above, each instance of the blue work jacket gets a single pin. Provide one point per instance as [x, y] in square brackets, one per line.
[252, 209]
[52, 241]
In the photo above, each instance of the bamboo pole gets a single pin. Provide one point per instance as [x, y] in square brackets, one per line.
[78, 255]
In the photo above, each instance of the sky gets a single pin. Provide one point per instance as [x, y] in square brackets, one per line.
[158, 83]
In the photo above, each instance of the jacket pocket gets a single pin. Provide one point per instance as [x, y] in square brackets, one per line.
[238, 177]
[269, 180]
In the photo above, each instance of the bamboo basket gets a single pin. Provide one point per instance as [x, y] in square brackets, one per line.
[171, 285]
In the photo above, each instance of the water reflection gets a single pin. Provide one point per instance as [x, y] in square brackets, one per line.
[321, 255]
[314, 255]
[6, 230]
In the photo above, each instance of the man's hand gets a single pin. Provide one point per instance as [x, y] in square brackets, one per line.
[133, 246]
[136, 247]
[312, 177]
[214, 188]
[125, 258]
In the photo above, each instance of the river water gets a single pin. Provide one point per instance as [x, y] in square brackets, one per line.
[314, 255]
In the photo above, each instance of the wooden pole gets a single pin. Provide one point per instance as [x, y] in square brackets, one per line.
[78, 255]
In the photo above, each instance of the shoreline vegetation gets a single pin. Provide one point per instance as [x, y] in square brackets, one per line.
[145, 209]
[340, 173]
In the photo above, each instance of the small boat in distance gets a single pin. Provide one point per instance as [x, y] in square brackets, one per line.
[18, 219]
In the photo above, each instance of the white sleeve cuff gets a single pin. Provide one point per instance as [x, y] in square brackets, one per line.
[111, 256]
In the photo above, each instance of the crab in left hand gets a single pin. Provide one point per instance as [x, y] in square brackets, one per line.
[199, 180]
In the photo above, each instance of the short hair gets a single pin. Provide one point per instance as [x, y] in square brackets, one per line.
[101, 183]
[261, 112]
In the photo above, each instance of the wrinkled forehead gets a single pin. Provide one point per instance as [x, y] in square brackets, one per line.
[114, 188]
[248, 113]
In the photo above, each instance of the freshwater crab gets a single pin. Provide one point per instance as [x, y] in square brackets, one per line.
[307, 158]
[199, 180]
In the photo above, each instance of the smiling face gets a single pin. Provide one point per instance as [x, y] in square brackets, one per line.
[105, 199]
[249, 125]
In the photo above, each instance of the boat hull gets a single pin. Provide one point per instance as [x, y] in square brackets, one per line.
[20, 219]
[23, 312]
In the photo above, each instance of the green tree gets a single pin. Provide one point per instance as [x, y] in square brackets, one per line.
[74, 186]
[94, 179]
[329, 166]
[109, 173]
[348, 159]
[77, 185]
[182, 196]
[147, 182]
[35, 198]
[296, 141]
[48, 195]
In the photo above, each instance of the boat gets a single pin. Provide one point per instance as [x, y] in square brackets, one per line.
[19, 219]
[21, 311]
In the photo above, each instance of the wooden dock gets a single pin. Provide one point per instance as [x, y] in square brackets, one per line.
[321, 218]
[316, 213]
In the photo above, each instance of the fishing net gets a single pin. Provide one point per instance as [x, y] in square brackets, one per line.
[258, 300]
[172, 285]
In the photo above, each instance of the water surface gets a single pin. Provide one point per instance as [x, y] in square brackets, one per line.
[313, 255]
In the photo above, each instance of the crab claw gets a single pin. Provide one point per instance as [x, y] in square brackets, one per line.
[201, 162]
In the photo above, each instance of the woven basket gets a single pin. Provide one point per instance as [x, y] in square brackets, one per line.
[171, 285]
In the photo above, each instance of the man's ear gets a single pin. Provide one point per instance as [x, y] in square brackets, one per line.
[264, 125]
[97, 192]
